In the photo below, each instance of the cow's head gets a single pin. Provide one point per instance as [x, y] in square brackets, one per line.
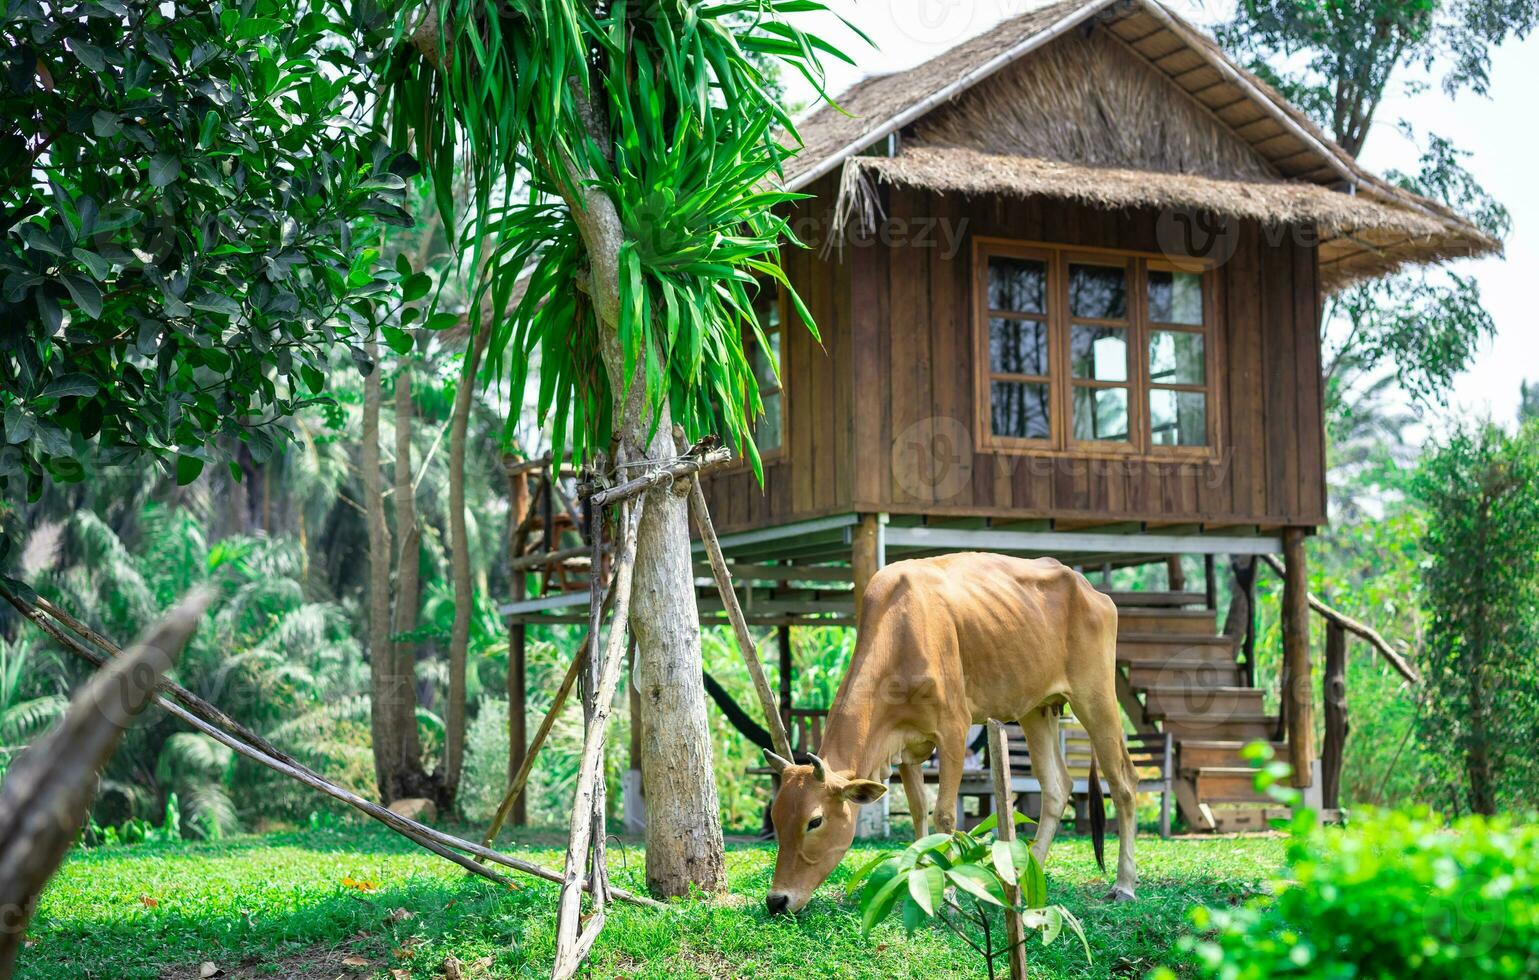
[814, 817]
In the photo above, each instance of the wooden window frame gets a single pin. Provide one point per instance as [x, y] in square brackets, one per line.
[1062, 383]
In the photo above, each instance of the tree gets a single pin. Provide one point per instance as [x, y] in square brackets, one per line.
[1528, 401]
[621, 156]
[1481, 585]
[186, 227]
[1336, 60]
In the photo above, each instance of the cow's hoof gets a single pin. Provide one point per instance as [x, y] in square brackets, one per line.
[1119, 895]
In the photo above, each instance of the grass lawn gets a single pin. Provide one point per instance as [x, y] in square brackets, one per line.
[280, 906]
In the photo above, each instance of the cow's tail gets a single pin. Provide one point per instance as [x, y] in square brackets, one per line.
[1097, 804]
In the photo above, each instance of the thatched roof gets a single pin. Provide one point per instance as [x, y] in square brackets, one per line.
[1164, 120]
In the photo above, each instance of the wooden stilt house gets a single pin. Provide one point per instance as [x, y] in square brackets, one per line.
[1069, 279]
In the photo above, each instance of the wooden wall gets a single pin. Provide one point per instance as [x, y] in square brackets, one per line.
[896, 318]
[813, 475]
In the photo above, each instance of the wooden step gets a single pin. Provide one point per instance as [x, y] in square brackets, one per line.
[1160, 648]
[1243, 727]
[1186, 622]
[1228, 784]
[1214, 702]
[1190, 673]
[1246, 819]
[1198, 753]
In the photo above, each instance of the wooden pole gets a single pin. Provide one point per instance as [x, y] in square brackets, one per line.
[573, 939]
[1298, 695]
[1004, 807]
[518, 692]
[783, 640]
[863, 559]
[1336, 726]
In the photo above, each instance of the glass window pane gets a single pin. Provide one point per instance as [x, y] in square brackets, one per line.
[1175, 297]
[1099, 291]
[1101, 414]
[766, 433]
[1020, 410]
[1099, 353]
[1175, 358]
[1178, 418]
[1017, 285]
[1017, 346]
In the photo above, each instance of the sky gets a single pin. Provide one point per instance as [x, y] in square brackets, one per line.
[1502, 131]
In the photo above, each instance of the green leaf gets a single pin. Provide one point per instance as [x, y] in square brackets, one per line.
[209, 128]
[861, 873]
[84, 292]
[1004, 862]
[978, 883]
[441, 321]
[99, 267]
[215, 303]
[913, 916]
[879, 904]
[416, 286]
[1034, 881]
[64, 386]
[18, 424]
[250, 28]
[313, 378]
[187, 469]
[164, 169]
[399, 340]
[927, 886]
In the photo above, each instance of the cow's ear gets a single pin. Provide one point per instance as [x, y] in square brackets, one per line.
[775, 762]
[863, 791]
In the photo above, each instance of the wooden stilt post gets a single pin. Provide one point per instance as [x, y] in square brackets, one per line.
[1298, 700]
[518, 695]
[1004, 805]
[783, 638]
[863, 558]
[1336, 726]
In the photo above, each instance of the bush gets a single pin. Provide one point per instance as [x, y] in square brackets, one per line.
[1396, 894]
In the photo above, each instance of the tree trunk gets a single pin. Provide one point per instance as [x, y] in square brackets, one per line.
[384, 696]
[459, 546]
[410, 778]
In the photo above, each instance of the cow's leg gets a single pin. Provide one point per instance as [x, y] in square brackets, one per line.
[1103, 721]
[913, 787]
[1052, 771]
[953, 756]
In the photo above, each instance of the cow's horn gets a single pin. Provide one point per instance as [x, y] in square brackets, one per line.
[819, 768]
[776, 762]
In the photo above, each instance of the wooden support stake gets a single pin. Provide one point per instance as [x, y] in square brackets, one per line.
[518, 668]
[1336, 726]
[863, 559]
[526, 764]
[745, 643]
[1004, 807]
[572, 940]
[1298, 693]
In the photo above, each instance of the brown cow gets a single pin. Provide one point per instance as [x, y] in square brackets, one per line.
[946, 643]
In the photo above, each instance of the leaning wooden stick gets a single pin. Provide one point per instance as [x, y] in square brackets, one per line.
[687, 467]
[572, 946]
[1004, 810]
[244, 742]
[745, 643]
[516, 787]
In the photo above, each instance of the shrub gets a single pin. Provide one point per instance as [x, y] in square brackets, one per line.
[1396, 894]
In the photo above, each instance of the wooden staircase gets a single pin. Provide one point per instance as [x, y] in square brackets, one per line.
[1179, 675]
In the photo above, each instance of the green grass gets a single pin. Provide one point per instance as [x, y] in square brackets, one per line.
[277, 906]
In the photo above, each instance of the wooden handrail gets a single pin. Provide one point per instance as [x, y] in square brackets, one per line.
[1362, 630]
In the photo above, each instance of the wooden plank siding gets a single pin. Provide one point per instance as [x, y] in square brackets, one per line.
[896, 374]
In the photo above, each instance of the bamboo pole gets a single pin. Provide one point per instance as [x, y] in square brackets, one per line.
[572, 939]
[1004, 814]
[436, 841]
